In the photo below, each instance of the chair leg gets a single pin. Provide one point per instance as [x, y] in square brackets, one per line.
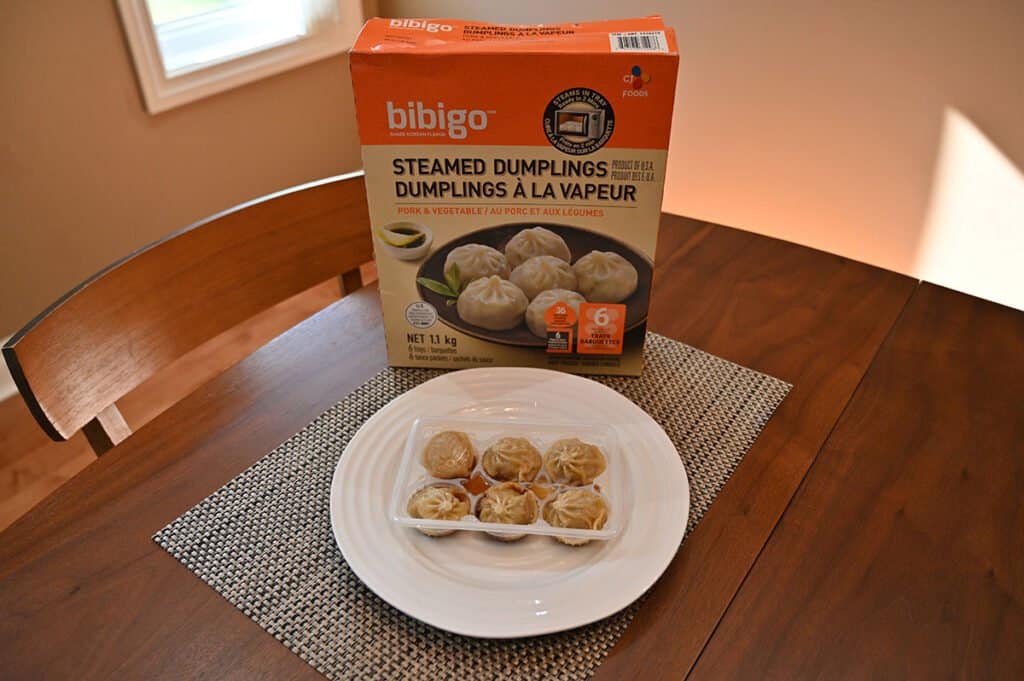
[106, 430]
[351, 281]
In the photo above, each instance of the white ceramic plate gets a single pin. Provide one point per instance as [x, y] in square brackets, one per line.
[470, 584]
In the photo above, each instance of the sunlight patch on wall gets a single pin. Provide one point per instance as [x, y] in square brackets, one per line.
[973, 239]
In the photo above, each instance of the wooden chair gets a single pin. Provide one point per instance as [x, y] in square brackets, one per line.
[112, 332]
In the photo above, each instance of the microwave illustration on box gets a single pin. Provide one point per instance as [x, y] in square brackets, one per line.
[588, 124]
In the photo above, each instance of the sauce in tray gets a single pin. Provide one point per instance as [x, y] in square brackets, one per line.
[476, 484]
[542, 491]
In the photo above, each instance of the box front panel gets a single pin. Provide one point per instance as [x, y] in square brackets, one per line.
[472, 150]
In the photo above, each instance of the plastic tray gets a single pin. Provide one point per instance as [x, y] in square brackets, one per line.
[412, 476]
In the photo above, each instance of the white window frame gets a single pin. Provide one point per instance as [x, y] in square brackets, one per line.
[161, 93]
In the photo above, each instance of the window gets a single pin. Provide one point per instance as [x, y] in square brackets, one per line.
[188, 49]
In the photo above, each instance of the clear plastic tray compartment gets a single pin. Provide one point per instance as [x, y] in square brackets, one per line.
[482, 432]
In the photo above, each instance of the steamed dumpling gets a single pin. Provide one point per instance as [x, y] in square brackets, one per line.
[438, 502]
[512, 458]
[605, 277]
[476, 261]
[573, 462]
[579, 509]
[449, 454]
[533, 242]
[508, 504]
[543, 272]
[493, 303]
[539, 306]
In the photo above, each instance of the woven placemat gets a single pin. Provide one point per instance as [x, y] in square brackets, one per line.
[264, 540]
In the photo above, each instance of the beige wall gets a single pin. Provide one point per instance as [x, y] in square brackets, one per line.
[823, 123]
[86, 175]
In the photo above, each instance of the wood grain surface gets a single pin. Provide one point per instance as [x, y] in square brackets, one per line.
[85, 593]
[80, 575]
[902, 556]
[807, 317]
[32, 465]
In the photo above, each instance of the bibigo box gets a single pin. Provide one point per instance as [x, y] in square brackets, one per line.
[514, 176]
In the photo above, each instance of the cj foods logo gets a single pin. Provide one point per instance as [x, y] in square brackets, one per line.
[637, 81]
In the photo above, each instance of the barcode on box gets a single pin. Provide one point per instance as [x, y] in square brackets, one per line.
[639, 41]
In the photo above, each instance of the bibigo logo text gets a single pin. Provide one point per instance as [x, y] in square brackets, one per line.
[420, 25]
[419, 120]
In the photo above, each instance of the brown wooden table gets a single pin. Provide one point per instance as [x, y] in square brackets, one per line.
[875, 529]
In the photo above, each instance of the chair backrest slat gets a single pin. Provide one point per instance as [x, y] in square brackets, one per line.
[118, 328]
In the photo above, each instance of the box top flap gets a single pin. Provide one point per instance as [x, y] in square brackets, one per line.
[453, 36]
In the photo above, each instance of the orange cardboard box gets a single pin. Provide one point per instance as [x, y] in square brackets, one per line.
[514, 177]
